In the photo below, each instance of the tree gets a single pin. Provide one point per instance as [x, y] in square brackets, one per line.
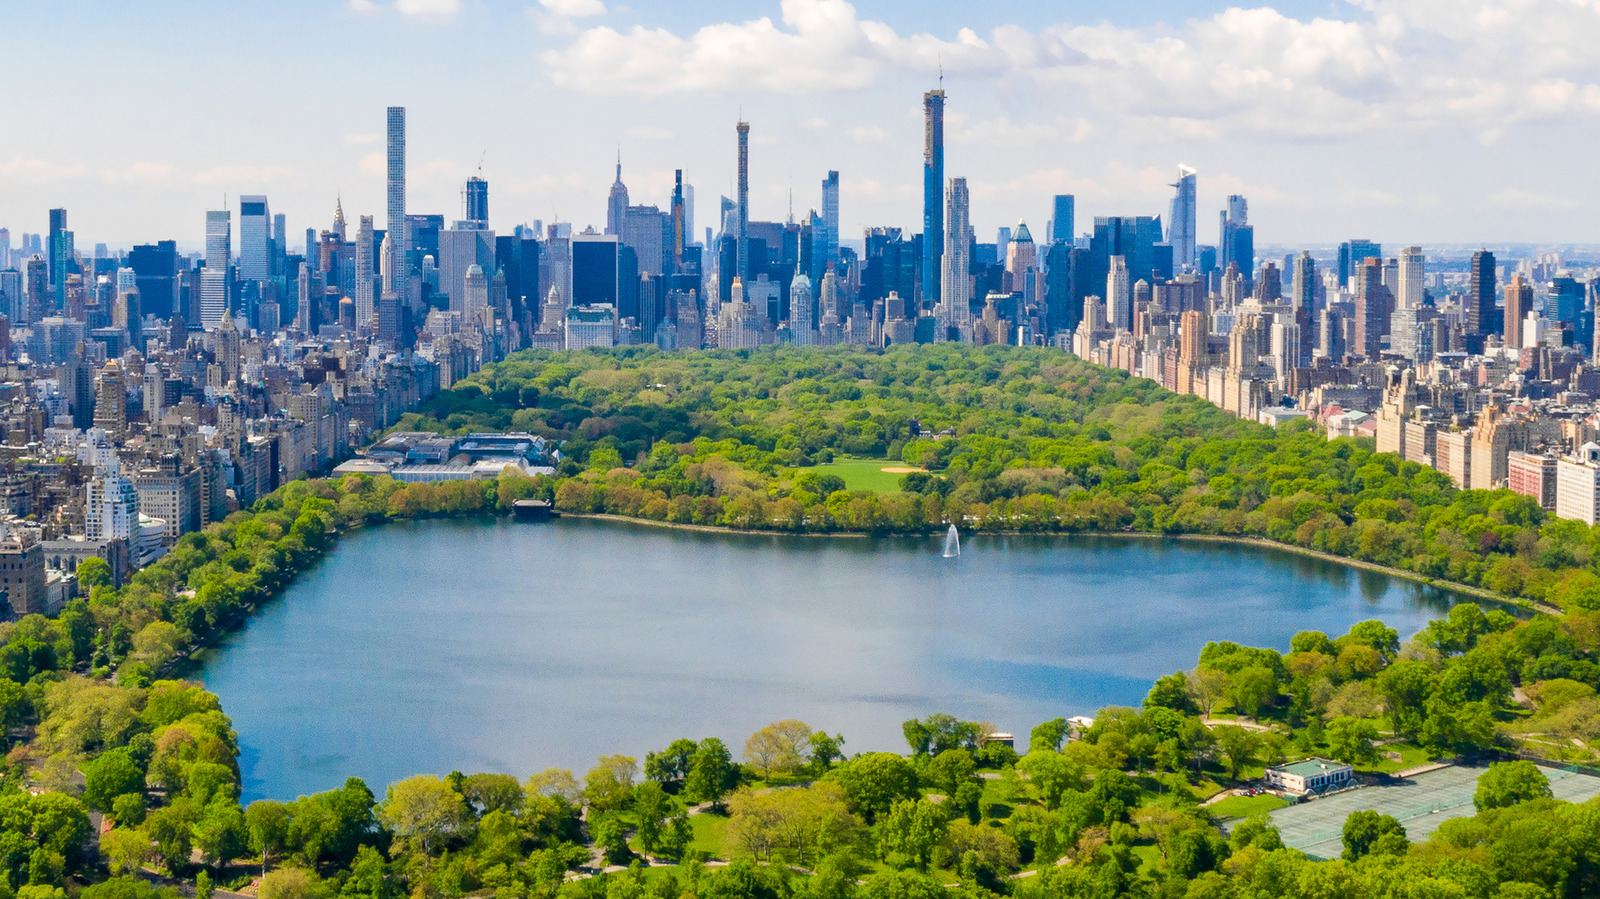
[1208, 686]
[1051, 734]
[266, 824]
[1170, 692]
[292, 883]
[126, 849]
[1406, 686]
[1367, 832]
[172, 830]
[711, 774]
[94, 572]
[908, 834]
[874, 781]
[423, 810]
[1238, 746]
[651, 805]
[670, 764]
[825, 750]
[220, 834]
[779, 747]
[611, 836]
[111, 775]
[1052, 774]
[938, 732]
[492, 792]
[1350, 740]
[609, 784]
[794, 825]
[1253, 689]
[1508, 783]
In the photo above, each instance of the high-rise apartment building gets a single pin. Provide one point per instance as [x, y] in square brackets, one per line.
[1119, 300]
[826, 247]
[956, 281]
[365, 281]
[63, 259]
[742, 269]
[1181, 226]
[214, 277]
[1237, 241]
[1372, 309]
[1519, 302]
[395, 194]
[933, 206]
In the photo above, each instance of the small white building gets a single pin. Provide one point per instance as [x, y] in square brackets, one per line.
[1310, 776]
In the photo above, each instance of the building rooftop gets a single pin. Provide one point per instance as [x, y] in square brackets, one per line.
[1311, 767]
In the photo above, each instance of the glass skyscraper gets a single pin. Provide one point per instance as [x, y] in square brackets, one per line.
[932, 193]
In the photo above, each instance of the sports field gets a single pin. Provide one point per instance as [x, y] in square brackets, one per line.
[881, 475]
[1420, 804]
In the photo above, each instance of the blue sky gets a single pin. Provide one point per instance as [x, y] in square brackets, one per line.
[1403, 120]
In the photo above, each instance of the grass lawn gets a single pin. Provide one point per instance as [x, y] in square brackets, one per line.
[710, 835]
[1245, 806]
[862, 474]
[1411, 756]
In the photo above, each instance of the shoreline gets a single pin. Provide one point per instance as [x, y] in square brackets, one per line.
[1223, 539]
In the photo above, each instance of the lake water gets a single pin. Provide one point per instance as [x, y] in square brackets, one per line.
[504, 646]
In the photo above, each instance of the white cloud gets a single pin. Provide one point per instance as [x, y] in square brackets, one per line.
[868, 134]
[1404, 65]
[362, 138]
[574, 9]
[363, 6]
[439, 8]
[815, 123]
[24, 169]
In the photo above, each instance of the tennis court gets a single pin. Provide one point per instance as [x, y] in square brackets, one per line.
[1420, 804]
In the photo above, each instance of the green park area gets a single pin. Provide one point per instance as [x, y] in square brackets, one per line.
[877, 475]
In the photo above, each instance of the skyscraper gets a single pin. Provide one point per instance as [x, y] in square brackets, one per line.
[475, 200]
[743, 267]
[1237, 244]
[1061, 222]
[1411, 292]
[1372, 310]
[933, 241]
[396, 196]
[956, 283]
[365, 285]
[255, 239]
[826, 250]
[1481, 311]
[214, 277]
[1351, 254]
[617, 203]
[1119, 302]
[680, 225]
[1519, 300]
[1304, 292]
[62, 257]
[1181, 228]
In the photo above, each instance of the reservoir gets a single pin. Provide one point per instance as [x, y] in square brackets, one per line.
[426, 647]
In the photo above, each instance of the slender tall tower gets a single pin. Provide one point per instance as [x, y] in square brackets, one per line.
[617, 203]
[1181, 230]
[1411, 293]
[679, 224]
[396, 194]
[932, 192]
[744, 203]
[1480, 293]
[214, 277]
[365, 284]
[828, 250]
[956, 286]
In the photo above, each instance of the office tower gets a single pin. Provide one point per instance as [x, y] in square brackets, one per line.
[386, 266]
[125, 311]
[475, 200]
[111, 401]
[459, 250]
[310, 295]
[1304, 291]
[680, 226]
[395, 193]
[5, 249]
[933, 240]
[1519, 302]
[1372, 310]
[1181, 228]
[1061, 219]
[365, 286]
[1065, 283]
[825, 252]
[617, 203]
[214, 277]
[742, 269]
[255, 239]
[63, 258]
[1137, 239]
[1237, 244]
[1411, 291]
[155, 267]
[1482, 318]
[280, 245]
[955, 299]
[1119, 302]
[1352, 253]
[595, 279]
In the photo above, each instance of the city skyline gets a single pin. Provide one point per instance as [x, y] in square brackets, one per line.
[1414, 167]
